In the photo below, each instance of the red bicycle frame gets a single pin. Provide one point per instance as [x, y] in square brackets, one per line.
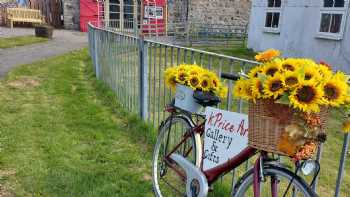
[214, 173]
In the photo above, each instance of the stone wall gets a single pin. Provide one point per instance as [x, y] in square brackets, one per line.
[224, 12]
[71, 14]
[177, 10]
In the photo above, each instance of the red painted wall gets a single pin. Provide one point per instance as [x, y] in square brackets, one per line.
[88, 12]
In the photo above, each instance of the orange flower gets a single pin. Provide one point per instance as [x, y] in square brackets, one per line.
[267, 55]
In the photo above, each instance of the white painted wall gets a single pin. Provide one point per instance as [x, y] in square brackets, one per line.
[299, 24]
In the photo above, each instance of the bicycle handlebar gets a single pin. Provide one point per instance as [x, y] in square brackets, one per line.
[230, 76]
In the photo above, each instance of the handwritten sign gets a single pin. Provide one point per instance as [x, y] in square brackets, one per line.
[226, 134]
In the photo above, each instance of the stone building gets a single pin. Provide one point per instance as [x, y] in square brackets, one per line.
[223, 12]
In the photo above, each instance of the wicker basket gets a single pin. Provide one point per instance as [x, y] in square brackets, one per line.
[267, 127]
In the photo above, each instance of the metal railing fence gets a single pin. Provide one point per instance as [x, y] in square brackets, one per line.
[180, 33]
[133, 68]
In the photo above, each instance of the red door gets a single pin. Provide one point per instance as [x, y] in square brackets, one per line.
[88, 13]
[154, 16]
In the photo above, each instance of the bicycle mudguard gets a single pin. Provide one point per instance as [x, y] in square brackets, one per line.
[195, 177]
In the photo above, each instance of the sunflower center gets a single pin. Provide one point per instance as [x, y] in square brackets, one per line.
[288, 67]
[306, 94]
[276, 85]
[204, 83]
[271, 71]
[290, 81]
[308, 76]
[182, 77]
[215, 83]
[194, 81]
[331, 92]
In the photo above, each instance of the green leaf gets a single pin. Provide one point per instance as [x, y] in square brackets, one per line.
[284, 99]
[301, 72]
[262, 77]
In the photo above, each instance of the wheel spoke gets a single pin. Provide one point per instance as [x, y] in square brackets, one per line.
[174, 188]
[169, 177]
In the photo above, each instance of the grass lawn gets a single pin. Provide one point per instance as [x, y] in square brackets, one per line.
[230, 50]
[20, 41]
[62, 134]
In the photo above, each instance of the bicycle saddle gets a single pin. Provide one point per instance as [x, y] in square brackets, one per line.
[206, 98]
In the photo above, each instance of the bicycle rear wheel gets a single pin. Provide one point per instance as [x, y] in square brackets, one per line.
[166, 178]
[283, 181]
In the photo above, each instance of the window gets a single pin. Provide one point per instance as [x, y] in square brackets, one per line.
[332, 20]
[273, 15]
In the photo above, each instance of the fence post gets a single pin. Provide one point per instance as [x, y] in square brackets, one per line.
[97, 67]
[318, 158]
[342, 164]
[143, 55]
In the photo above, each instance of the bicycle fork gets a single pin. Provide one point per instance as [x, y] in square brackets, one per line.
[259, 177]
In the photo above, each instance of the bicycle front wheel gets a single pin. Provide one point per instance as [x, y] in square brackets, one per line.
[175, 135]
[278, 180]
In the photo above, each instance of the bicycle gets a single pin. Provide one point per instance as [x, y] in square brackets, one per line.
[180, 160]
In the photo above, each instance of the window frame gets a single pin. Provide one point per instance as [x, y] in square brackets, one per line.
[333, 10]
[273, 10]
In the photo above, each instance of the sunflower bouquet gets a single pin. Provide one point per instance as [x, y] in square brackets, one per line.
[196, 78]
[293, 96]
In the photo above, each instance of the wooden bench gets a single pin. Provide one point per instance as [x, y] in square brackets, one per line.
[23, 15]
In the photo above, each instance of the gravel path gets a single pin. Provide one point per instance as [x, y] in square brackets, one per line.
[63, 41]
[8, 32]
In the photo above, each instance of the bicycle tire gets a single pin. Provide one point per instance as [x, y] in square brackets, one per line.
[164, 132]
[245, 183]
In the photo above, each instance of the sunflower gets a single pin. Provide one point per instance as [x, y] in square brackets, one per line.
[290, 64]
[346, 125]
[267, 55]
[183, 67]
[273, 86]
[291, 79]
[325, 72]
[272, 67]
[248, 93]
[181, 76]
[170, 79]
[215, 82]
[170, 71]
[193, 81]
[311, 73]
[222, 91]
[205, 83]
[335, 92]
[306, 97]
[195, 70]
[253, 73]
[340, 76]
[305, 62]
[239, 88]
[257, 88]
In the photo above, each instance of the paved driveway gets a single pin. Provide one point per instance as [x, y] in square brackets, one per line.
[63, 41]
